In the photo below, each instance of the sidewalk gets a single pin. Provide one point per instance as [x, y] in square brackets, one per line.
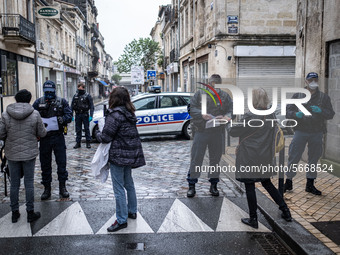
[308, 210]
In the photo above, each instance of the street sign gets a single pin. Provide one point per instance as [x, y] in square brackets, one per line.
[137, 75]
[151, 74]
[48, 12]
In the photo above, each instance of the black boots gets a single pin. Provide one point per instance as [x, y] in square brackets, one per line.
[32, 216]
[191, 192]
[251, 222]
[88, 145]
[286, 214]
[288, 185]
[47, 192]
[15, 216]
[63, 191]
[311, 188]
[77, 146]
[213, 190]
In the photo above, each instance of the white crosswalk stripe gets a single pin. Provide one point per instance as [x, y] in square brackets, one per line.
[230, 219]
[72, 221]
[181, 219]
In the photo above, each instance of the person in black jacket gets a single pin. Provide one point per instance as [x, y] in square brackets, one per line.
[55, 113]
[255, 150]
[208, 137]
[310, 129]
[125, 153]
[82, 103]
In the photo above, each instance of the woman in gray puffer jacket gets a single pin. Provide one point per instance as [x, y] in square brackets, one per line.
[125, 153]
[20, 128]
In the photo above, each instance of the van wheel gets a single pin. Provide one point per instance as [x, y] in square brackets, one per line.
[187, 131]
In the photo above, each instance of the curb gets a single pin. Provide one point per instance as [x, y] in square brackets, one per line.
[299, 239]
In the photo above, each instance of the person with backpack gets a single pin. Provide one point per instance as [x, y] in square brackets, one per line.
[256, 150]
[81, 104]
[20, 127]
[125, 153]
[55, 113]
[309, 130]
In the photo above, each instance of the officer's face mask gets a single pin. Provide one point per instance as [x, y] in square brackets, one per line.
[313, 85]
[49, 94]
[81, 91]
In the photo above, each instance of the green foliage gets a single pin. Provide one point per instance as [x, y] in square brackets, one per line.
[116, 78]
[160, 61]
[143, 52]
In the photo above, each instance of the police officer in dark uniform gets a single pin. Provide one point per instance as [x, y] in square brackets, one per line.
[82, 103]
[56, 113]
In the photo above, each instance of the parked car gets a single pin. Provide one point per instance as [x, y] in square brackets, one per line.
[162, 113]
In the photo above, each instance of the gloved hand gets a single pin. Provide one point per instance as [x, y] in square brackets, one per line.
[90, 119]
[60, 120]
[316, 109]
[72, 118]
[299, 115]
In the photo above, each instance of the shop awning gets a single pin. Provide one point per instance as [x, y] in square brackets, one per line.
[104, 83]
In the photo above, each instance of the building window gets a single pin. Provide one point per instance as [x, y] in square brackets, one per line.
[10, 78]
[203, 72]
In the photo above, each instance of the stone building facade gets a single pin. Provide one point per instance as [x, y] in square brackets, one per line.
[243, 41]
[17, 51]
[318, 50]
[63, 50]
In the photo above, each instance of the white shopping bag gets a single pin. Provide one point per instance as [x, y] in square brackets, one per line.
[100, 166]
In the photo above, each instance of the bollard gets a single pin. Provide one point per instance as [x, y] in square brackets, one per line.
[281, 173]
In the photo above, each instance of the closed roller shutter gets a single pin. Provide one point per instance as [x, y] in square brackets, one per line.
[266, 72]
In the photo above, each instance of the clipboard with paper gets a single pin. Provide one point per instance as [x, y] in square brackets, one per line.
[51, 124]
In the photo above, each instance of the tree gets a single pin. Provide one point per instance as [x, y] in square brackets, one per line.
[143, 52]
[116, 78]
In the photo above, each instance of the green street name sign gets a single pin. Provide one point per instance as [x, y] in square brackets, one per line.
[48, 12]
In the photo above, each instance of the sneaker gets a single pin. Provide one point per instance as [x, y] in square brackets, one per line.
[15, 216]
[116, 226]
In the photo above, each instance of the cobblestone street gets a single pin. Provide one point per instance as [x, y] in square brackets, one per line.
[167, 157]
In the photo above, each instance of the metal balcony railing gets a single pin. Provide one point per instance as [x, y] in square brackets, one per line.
[15, 25]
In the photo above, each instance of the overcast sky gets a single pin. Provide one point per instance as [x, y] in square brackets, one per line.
[121, 21]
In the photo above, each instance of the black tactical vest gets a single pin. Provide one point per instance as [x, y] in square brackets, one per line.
[50, 109]
[81, 103]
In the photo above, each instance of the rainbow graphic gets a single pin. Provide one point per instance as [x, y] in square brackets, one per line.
[211, 88]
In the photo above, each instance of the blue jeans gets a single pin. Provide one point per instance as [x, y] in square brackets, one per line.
[15, 168]
[121, 178]
[48, 144]
[213, 139]
[80, 119]
[297, 147]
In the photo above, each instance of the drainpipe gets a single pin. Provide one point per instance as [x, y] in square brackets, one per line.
[36, 67]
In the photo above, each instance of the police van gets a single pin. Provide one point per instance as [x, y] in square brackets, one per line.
[159, 113]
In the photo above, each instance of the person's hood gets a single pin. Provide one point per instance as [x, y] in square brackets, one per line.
[122, 109]
[19, 111]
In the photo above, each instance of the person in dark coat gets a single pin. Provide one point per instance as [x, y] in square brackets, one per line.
[212, 137]
[310, 129]
[125, 153]
[255, 150]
